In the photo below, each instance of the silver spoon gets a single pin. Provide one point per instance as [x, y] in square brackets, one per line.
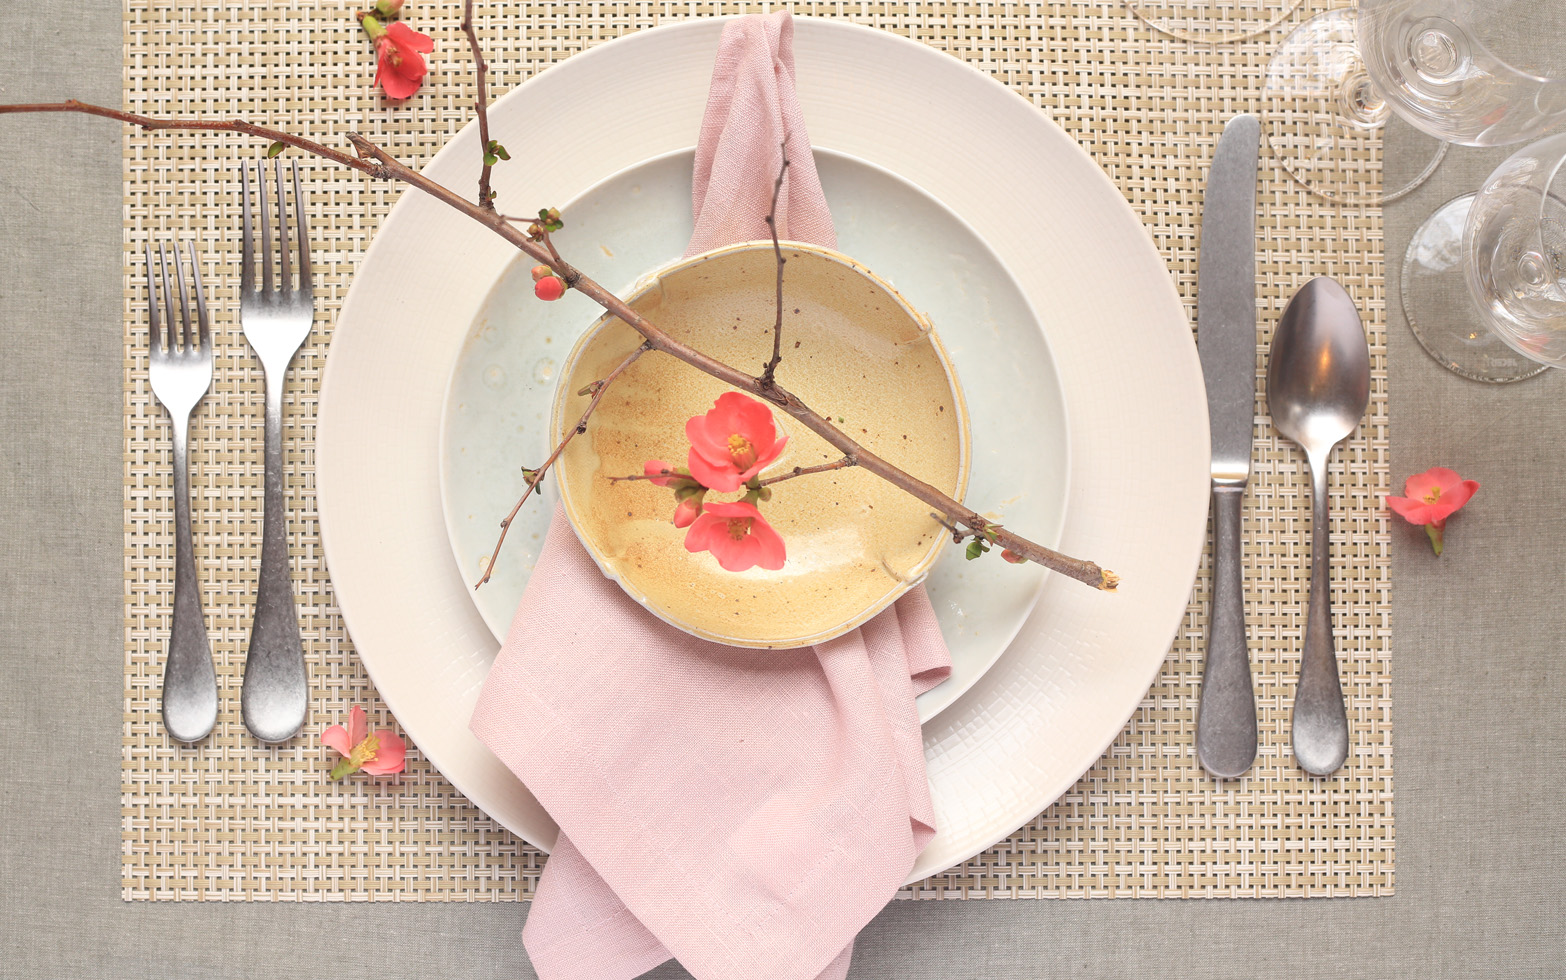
[1318, 385]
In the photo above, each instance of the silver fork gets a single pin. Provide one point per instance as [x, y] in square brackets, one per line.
[275, 316]
[181, 373]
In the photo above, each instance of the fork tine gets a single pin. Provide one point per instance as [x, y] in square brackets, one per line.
[301, 228]
[201, 301]
[168, 295]
[286, 283]
[154, 327]
[187, 331]
[266, 228]
[247, 252]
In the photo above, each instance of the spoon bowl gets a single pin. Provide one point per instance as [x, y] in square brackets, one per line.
[1318, 373]
[1318, 387]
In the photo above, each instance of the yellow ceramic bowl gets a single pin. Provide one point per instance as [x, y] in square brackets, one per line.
[852, 349]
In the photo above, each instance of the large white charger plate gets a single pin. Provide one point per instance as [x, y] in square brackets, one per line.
[502, 387]
[1053, 702]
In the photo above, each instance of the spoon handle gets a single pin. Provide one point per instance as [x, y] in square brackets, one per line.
[1320, 721]
[1226, 718]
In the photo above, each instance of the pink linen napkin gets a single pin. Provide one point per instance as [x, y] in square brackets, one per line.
[745, 811]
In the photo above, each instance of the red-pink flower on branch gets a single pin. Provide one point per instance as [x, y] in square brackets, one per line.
[733, 442]
[737, 535]
[380, 754]
[1432, 497]
[399, 53]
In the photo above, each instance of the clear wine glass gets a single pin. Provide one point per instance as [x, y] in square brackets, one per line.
[1212, 21]
[1509, 260]
[1475, 72]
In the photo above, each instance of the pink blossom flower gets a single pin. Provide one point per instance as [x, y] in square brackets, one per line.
[1432, 497]
[732, 443]
[399, 53]
[379, 754]
[737, 535]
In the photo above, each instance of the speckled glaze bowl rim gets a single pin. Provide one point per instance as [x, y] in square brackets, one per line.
[920, 569]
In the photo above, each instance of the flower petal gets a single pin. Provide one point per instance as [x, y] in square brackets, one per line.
[736, 556]
[722, 478]
[336, 737]
[1412, 509]
[738, 508]
[390, 756]
[407, 37]
[752, 419]
[1419, 485]
[358, 725]
[1455, 496]
[768, 455]
[699, 537]
[770, 552]
[397, 86]
[728, 415]
[713, 449]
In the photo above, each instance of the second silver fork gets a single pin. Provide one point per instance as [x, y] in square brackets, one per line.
[275, 315]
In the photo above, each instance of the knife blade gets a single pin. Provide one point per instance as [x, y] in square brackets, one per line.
[1226, 343]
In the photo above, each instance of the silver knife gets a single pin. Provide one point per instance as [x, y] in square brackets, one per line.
[1226, 340]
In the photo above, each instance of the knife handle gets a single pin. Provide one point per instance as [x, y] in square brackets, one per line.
[1226, 719]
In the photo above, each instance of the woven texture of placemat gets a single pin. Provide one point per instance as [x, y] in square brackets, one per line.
[231, 819]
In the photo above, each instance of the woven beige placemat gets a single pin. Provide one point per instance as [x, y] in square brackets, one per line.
[234, 820]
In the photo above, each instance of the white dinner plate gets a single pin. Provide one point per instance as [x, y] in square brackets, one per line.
[1050, 705]
[497, 406]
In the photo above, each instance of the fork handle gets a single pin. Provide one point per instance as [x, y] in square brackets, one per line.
[189, 682]
[276, 691]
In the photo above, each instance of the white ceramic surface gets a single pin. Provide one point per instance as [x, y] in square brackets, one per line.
[502, 384]
[1064, 688]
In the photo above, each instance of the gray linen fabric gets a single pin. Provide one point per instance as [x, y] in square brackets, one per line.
[1480, 681]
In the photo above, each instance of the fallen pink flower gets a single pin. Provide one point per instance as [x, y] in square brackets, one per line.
[399, 54]
[380, 754]
[1432, 497]
[737, 535]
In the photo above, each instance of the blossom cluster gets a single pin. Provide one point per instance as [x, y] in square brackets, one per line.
[730, 445]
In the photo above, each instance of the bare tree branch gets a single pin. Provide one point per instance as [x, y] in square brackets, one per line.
[777, 328]
[387, 167]
[208, 126]
[843, 463]
[486, 198]
[535, 477]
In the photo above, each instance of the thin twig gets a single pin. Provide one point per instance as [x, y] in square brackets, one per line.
[387, 167]
[777, 327]
[660, 475]
[360, 163]
[796, 471]
[806, 471]
[486, 199]
[559, 264]
[537, 476]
